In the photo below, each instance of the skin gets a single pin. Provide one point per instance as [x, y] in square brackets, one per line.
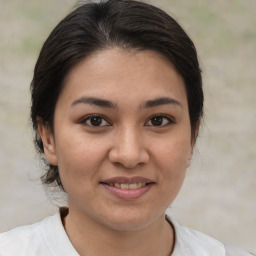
[127, 143]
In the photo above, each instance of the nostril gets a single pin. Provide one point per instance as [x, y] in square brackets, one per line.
[128, 158]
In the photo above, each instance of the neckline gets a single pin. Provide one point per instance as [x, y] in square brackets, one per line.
[63, 212]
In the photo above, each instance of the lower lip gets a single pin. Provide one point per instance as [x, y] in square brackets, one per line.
[128, 194]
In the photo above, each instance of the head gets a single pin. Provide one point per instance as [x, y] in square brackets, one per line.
[94, 27]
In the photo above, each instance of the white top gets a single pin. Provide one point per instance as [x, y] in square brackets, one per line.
[48, 238]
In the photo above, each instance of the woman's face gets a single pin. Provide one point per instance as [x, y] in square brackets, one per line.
[122, 137]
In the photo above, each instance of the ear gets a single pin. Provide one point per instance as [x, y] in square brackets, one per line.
[196, 132]
[48, 142]
[193, 142]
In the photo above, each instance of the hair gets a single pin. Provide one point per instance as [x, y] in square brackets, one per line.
[125, 24]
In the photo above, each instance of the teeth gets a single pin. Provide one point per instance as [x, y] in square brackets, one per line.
[128, 186]
[124, 186]
[133, 186]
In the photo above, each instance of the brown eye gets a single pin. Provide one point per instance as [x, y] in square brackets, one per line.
[159, 120]
[95, 121]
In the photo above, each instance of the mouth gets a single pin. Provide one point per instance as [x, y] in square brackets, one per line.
[127, 188]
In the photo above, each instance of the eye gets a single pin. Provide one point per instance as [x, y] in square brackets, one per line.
[159, 120]
[95, 121]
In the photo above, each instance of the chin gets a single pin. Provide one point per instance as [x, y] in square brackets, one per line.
[128, 222]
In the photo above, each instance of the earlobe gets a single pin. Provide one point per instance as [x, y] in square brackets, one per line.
[189, 156]
[196, 132]
[48, 143]
[193, 142]
[188, 162]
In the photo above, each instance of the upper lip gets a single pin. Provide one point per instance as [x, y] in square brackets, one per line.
[127, 180]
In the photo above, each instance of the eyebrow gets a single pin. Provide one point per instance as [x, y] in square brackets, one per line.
[161, 101]
[95, 101]
[108, 104]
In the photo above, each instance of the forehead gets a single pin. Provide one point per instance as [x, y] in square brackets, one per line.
[118, 74]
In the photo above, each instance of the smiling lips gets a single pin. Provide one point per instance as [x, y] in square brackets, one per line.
[127, 188]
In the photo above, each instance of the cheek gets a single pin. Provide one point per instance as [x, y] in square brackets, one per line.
[79, 160]
[170, 164]
[172, 161]
[174, 152]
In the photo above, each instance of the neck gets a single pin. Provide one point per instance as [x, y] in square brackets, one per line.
[89, 237]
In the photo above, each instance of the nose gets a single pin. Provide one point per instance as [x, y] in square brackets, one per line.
[128, 149]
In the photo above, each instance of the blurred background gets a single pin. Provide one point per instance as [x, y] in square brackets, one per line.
[219, 193]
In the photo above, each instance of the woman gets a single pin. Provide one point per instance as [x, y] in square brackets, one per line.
[116, 107]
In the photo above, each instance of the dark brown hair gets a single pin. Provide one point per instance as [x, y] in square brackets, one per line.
[126, 24]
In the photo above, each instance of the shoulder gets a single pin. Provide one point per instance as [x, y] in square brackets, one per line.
[45, 238]
[236, 251]
[192, 242]
[26, 240]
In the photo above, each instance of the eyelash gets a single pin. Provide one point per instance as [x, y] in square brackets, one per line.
[166, 119]
[89, 118]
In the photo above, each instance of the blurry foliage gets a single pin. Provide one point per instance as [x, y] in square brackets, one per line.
[26, 24]
[211, 24]
[221, 26]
